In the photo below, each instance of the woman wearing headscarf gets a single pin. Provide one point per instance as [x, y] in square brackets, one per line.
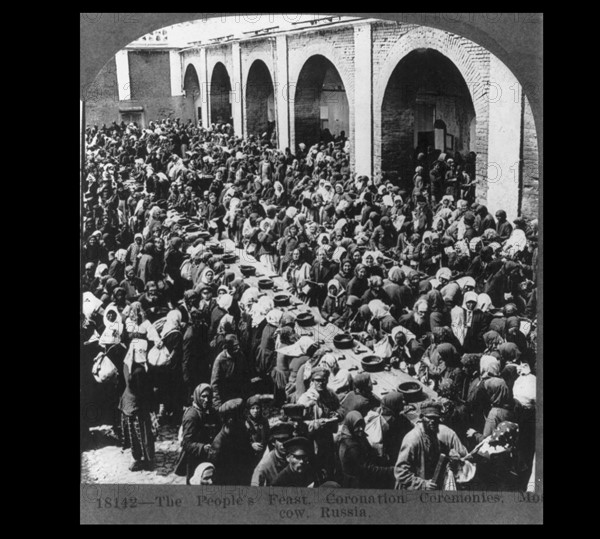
[340, 380]
[360, 398]
[381, 318]
[359, 465]
[203, 474]
[223, 307]
[335, 303]
[439, 316]
[173, 260]
[300, 352]
[207, 279]
[169, 379]
[267, 246]
[297, 273]
[395, 425]
[359, 284]
[117, 267]
[139, 331]
[509, 362]
[249, 297]
[199, 427]
[442, 361]
[497, 459]
[496, 394]
[371, 263]
[266, 355]
[148, 269]
[492, 340]
[284, 336]
[136, 402]
[490, 386]
[259, 312]
[344, 276]
[399, 294]
[280, 198]
[133, 286]
[107, 293]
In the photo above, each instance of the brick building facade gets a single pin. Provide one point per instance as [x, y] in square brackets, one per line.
[390, 86]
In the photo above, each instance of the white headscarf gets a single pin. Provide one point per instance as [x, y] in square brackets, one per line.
[378, 308]
[299, 348]
[249, 295]
[102, 268]
[274, 317]
[484, 302]
[120, 255]
[113, 330]
[260, 309]
[173, 322]
[202, 467]
[224, 301]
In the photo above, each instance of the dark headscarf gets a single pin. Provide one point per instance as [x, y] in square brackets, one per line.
[365, 312]
[361, 381]
[392, 404]
[509, 353]
[492, 340]
[448, 354]
[350, 421]
[197, 392]
[424, 287]
[442, 334]
[435, 301]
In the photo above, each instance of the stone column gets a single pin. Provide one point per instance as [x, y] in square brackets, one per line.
[504, 140]
[363, 99]
[204, 89]
[237, 90]
[123, 83]
[175, 70]
[282, 99]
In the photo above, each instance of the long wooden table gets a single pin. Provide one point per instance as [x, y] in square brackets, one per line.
[383, 381]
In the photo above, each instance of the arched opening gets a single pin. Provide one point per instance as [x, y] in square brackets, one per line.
[220, 95]
[191, 88]
[321, 107]
[260, 101]
[427, 107]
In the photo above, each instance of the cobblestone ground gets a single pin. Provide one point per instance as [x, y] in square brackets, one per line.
[104, 461]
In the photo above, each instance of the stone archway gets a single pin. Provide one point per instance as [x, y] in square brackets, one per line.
[473, 68]
[426, 107]
[260, 100]
[297, 62]
[193, 97]
[220, 95]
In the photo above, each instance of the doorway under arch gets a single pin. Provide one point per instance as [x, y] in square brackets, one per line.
[321, 108]
[220, 95]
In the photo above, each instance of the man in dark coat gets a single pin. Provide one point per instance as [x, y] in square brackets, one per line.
[230, 376]
[273, 461]
[300, 471]
[231, 451]
[476, 324]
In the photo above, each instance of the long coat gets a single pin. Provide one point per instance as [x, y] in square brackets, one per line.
[232, 455]
[419, 455]
[199, 428]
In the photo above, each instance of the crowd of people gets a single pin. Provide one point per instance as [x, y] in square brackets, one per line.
[414, 268]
